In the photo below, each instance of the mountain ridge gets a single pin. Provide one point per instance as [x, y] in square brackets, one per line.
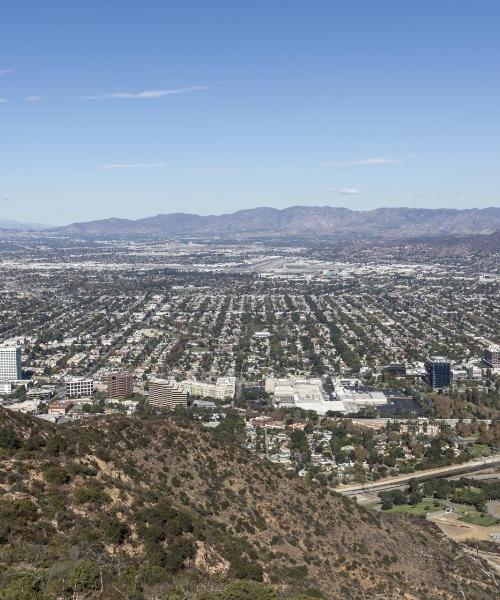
[299, 221]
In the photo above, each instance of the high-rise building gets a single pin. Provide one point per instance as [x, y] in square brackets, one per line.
[438, 372]
[10, 363]
[164, 393]
[119, 384]
[492, 356]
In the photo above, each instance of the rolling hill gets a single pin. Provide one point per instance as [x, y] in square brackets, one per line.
[144, 508]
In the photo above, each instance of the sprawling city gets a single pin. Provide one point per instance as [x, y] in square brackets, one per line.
[358, 369]
[249, 300]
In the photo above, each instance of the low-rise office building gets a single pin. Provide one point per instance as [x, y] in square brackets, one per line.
[60, 408]
[76, 387]
[223, 389]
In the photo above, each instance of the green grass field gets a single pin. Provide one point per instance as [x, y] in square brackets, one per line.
[476, 518]
[478, 450]
[418, 510]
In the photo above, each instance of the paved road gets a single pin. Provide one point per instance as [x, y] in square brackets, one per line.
[400, 480]
[381, 421]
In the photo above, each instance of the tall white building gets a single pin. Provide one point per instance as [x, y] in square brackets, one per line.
[10, 363]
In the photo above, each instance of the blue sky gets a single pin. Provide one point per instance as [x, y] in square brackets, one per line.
[127, 108]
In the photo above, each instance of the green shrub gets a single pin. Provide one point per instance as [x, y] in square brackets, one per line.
[55, 475]
[9, 439]
[178, 552]
[297, 573]
[164, 520]
[152, 575]
[241, 568]
[55, 444]
[16, 516]
[113, 530]
[34, 442]
[310, 596]
[90, 494]
[243, 590]
[85, 575]
[26, 586]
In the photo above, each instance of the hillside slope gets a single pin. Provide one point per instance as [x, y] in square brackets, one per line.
[299, 221]
[128, 508]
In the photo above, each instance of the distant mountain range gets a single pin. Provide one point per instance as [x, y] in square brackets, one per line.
[299, 221]
[20, 226]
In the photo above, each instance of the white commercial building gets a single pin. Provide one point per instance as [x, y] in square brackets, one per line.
[10, 363]
[354, 396]
[76, 387]
[309, 394]
[223, 389]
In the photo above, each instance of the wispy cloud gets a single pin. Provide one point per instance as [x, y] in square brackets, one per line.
[379, 161]
[134, 165]
[348, 191]
[147, 94]
[3, 100]
[34, 98]
[207, 169]
[4, 72]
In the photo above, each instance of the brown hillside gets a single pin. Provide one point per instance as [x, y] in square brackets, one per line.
[131, 508]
